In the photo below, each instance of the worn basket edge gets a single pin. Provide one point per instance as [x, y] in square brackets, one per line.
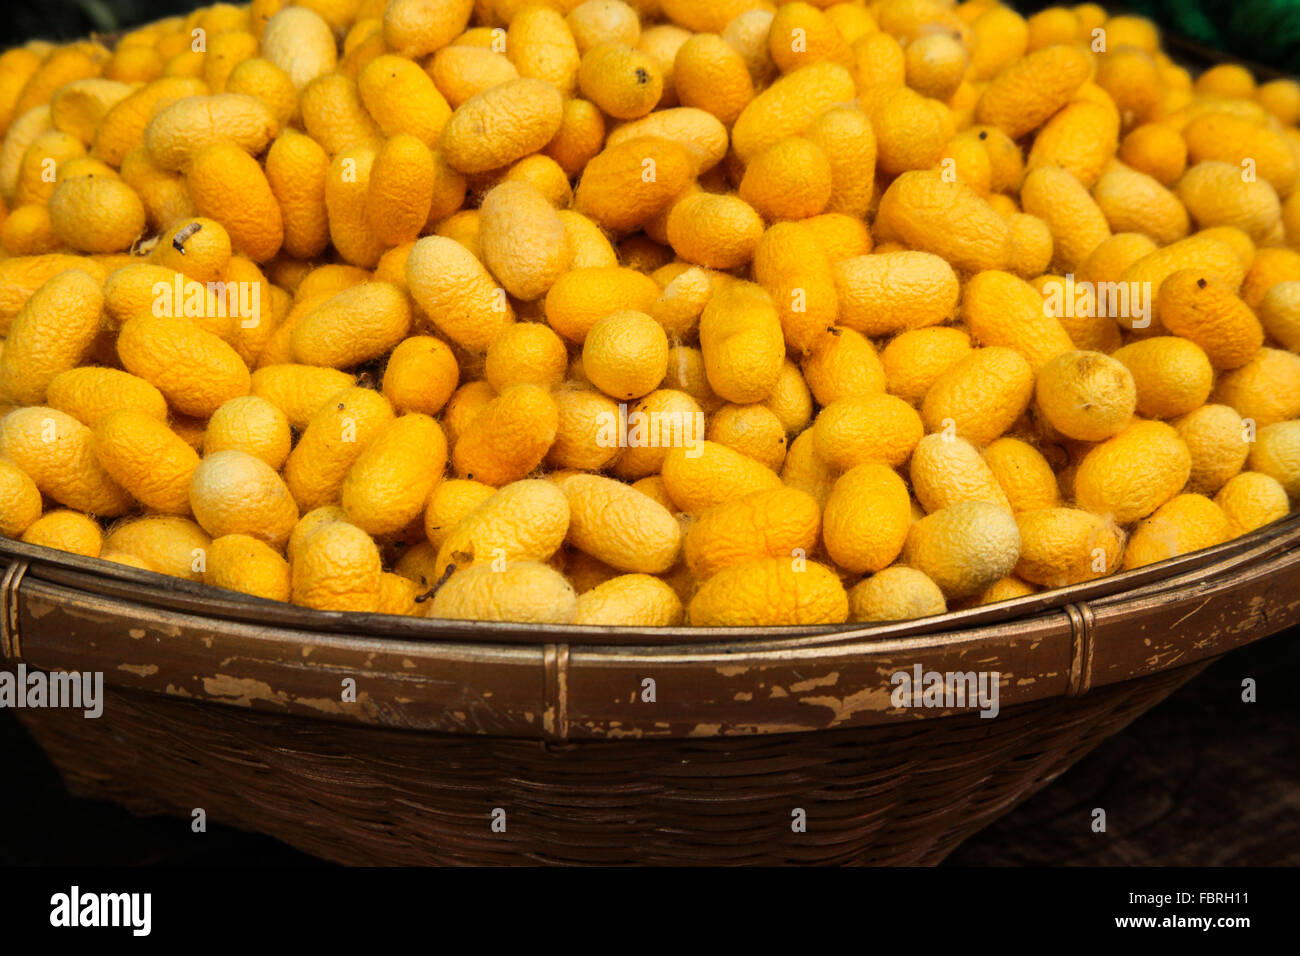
[151, 589]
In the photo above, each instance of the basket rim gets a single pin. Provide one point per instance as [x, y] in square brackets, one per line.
[151, 589]
[563, 693]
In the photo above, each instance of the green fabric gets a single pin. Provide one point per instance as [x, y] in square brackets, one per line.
[1266, 32]
[1263, 31]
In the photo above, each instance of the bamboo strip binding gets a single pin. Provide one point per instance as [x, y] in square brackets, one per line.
[1083, 633]
[10, 644]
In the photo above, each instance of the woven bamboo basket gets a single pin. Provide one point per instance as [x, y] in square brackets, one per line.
[218, 701]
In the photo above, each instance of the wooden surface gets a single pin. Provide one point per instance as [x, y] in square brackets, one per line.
[179, 640]
[1202, 780]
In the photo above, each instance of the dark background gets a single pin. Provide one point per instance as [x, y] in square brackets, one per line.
[1264, 31]
[1204, 779]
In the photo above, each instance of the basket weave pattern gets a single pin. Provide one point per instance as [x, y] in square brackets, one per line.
[232, 705]
[905, 794]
